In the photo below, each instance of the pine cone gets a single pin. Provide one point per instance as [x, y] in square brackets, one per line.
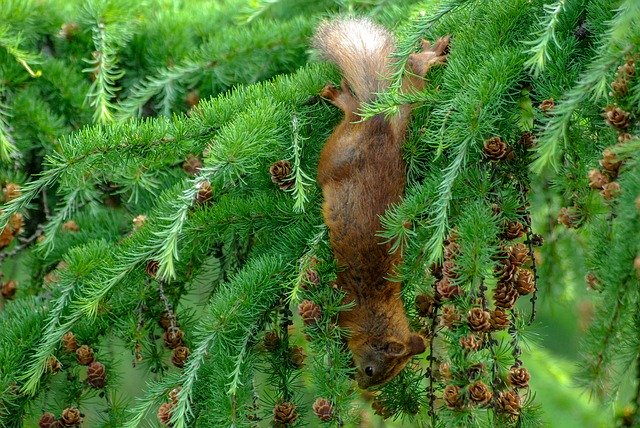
[53, 365]
[16, 222]
[450, 317]
[570, 217]
[525, 282]
[478, 319]
[6, 237]
[425, 304]
[505, 270]
[323, 409]
[173, 394]
[475, 371]
[139, 221]
[173, 337]
[69, 342]
[479, 393]
[444, 369]
[84, 355]
[514, 230]
[11, 191]
[446, 290]
[451, 250]
[192, 164]
[519, 254]
[592, 281]
[518, 377]
[9, 289]
[528, 140]
[152, 268]
[449, 270]
[205, 193]
[499, 319]
[509, 402]
[284, 413]
[297, 356]
[505, 295]
[597, 179]
[280, 172]
[193, 98]
[451, 396]
[312, 277]
[165, 320]
[179, 356]
[48, 420]
[610, 190]
[624, 137]
[310, 312]
[610, 162]
[271, 341]
[471, 342]
[164, 413]
[547, 105]
[70, 417]
[619, 87]
[70, 226]
[495, 149]
[616, 117]
[97, 375]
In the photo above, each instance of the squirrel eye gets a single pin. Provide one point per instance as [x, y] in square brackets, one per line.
[369, 371]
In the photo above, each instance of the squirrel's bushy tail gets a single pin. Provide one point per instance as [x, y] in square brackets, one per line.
[361, 48]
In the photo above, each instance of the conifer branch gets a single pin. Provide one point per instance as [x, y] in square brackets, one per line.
[69, 205]
[300, 179]
[302, 278]
[11, 43]
[539, 51]
[7, 145]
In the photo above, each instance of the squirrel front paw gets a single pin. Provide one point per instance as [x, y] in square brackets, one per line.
[419, 63]
[340, 97]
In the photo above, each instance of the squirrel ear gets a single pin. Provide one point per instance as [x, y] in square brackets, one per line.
[395, 349]
[416, 344]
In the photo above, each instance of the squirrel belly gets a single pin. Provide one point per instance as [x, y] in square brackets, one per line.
[361, 172]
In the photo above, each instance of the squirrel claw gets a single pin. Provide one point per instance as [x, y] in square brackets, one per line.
[421, 62]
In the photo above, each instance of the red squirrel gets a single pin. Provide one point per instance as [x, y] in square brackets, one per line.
[362, 172]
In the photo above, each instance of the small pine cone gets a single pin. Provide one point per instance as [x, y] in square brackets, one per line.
[9, 289]
[16, 221]
[495, 149]
[380, 409]
[97, 375]
[527, 140]
[193, 98]
[451, 396]
[597, 179]
[323, 409]
[70, 226]
[616, 117]
[69, 342]
[139, 221]
[451, 250]
[628, 68]
[569, 217]
[6, 237]
[173, 394]
[284, 413]
[449, 270]
[479, 393]
[173, 337]
[48, 420]
[547, 105]
[152, 268]
[164, 413]
[610, 190]
[280, 172]
[505, 270]
[471, 342]
[205, 193]
[450, 317]
[509, 402]
[436, 270]
[179, 356]
[297, 356]
[312, 277]
[499, 319]
[478, 319]
[192, 164]
[619, 87]
[11, 191]
[592, 281]
[84, 355]
[70, 417]
[537, 240]
[444, 369]
[310, 312]
[610, 162]
[518, 377]
[271, 341]
[165, 320]
[505, 295]
[475, 371]
[446, 290]
[53, 365]
[519, 254]
[425, 305]
[624, 137]
[514, 230]
[525, 282]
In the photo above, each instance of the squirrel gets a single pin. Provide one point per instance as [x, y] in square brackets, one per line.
[362, 172]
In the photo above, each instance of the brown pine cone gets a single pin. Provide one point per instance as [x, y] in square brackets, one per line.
[449, 270]
[70, 417]
[628, 68]
[479, 393]
[70, 226]
[173, 337]
[179, 356]
[323, 409]
[11, 191]
[478, 319]
[425, 305]
[451, 250]
[164, 413]
[310, 312]
[505, 295]
[505, 270]
[284, 413]
[450, 317]
[547, 105]
[205, 193]
[514, 230]
[280, 174]
[173, 394]
[446, 290]
[271, 341]
[499, 319]
[525, 282]
[297, 356]
[624, 137]
[165, 320]
[610, 190]
[312, 277]
[152, 268]
[48, 420]
[518, 377]
[610, 162]
[619, 87]
[509, 402]
[537, 240]
[6, 237]
[84, 355]
[16, 222]
[444, 369]
[9, 289]
[528, 140]
[471, 342]
[53, 365]
[616, 117]
[597, 179]
[569, 217]
[69, 342]
[139, 221]
[451, 396]
[519, 254]
[97, 375]
[495, 149]
[436, 270]
[192, 164]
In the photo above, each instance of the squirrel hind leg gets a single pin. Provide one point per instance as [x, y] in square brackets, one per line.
[420, 63]
[340, 97]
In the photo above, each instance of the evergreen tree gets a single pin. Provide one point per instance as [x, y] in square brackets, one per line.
[161, 211]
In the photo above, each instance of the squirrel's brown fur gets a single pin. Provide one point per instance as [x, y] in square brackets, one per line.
[361, 172]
